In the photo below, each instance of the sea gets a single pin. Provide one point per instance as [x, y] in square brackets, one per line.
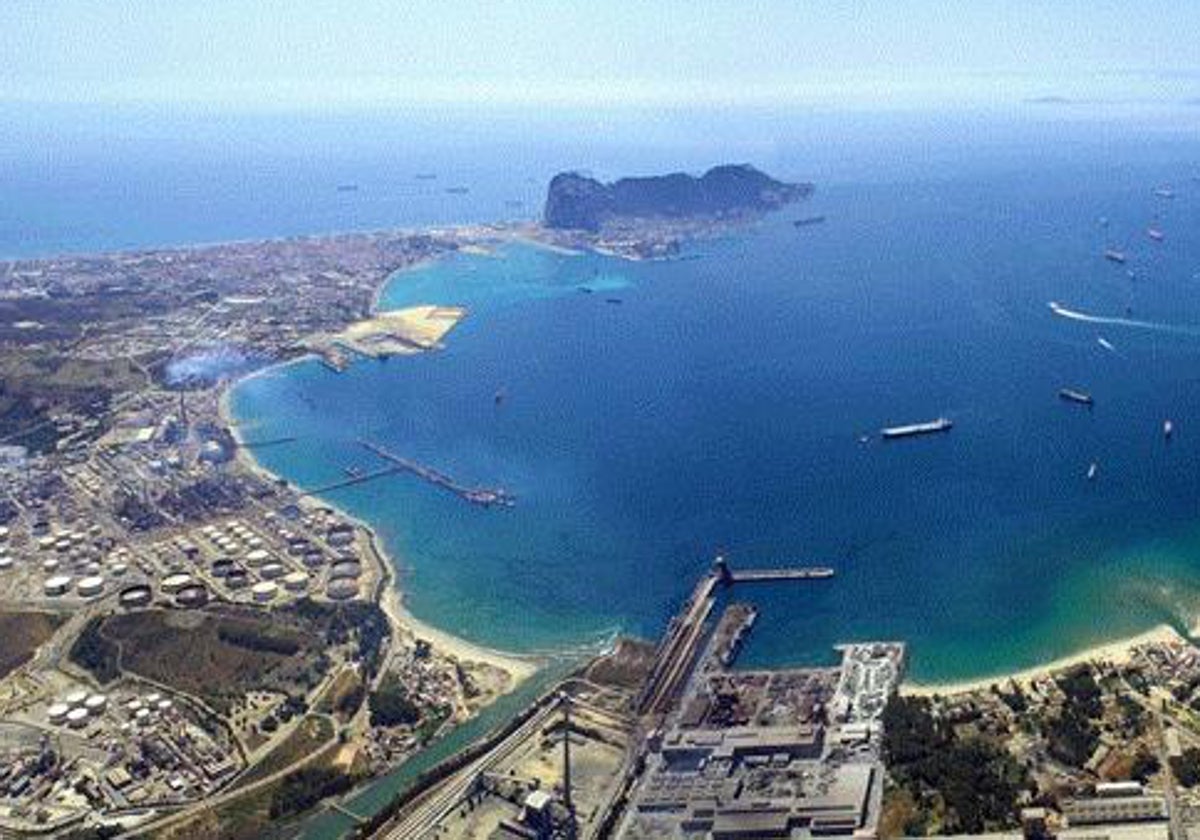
[648, 416]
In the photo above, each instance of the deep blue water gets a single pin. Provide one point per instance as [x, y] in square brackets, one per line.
[720, 405]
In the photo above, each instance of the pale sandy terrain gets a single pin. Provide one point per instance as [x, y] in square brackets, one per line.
[403, 331]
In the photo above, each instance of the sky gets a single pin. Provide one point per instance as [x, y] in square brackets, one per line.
[330, 53]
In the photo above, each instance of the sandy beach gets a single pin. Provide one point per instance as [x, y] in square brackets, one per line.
[1115, 653]
[519, 668]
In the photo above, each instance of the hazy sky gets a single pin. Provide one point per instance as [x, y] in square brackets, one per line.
[326, 53]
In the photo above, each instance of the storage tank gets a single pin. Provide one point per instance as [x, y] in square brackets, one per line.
[173, 583]
[90, 587]
[342, 589]
[264, 591]
[135, 596]
[257, 557]
[57, 585]
[57, 713]
[345, 569]
[50, 566]
[237, 579]
[192, 597]
[272, 571]
[296, 581]
[77, 718]
[96, 704]
[77, 698]
[5, 563]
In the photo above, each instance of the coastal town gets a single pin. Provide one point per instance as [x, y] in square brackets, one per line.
[195, 648]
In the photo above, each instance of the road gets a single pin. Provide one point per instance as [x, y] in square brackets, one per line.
[432, 807]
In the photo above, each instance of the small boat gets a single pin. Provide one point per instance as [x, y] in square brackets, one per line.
[1113, 255]
[808, 220]
[1164, 192]
[347, 187]
[941, 424]
[1106, 344]
[1168, 429]
[426, 176]
[613, 300]
[499, 398]
[1091, 473]
[1155, 234]
[458, 190]
[1071, 395]
[587, 290]
[353, 472]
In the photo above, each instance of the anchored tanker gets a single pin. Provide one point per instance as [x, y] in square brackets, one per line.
[939, 425]
[1071, 395]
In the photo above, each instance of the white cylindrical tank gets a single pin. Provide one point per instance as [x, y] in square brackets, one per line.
[90, 587]
[57, 585]
[96, 704]
[257, 557]
[57, 713]
[5, 562]
[272, 571]
[296, 581]
[173, 583]
[264, 591]
[76, 698]
[77, 718]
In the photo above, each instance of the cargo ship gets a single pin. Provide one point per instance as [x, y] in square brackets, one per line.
[941, 424]
[1071, 395]
[808, 220]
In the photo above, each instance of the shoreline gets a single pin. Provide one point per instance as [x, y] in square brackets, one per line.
[390, 597]
[387, 596]
[1117, 652]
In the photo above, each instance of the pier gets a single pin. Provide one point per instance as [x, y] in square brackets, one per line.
[483, 496]
[262, 444]
[353, 480]
[772, 575]
[676, 655]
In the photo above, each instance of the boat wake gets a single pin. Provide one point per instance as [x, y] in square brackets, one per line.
[1073, 315]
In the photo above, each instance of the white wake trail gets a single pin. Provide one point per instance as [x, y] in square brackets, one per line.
[1073, 315]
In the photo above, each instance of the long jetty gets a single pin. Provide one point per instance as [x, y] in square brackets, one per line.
[676, 655]
[353, 480]
[483, 496]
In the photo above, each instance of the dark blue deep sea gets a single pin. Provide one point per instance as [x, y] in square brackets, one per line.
[720, 406]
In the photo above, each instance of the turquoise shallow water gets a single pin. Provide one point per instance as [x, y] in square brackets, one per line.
[719, 407]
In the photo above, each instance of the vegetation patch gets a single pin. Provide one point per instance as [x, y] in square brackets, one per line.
[23, 633]
[217, 657]
[954, 785]
[309, 736]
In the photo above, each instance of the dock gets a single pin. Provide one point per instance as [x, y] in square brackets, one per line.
[351, 481]
[772, 575]
[676, 654]
[482, 496]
